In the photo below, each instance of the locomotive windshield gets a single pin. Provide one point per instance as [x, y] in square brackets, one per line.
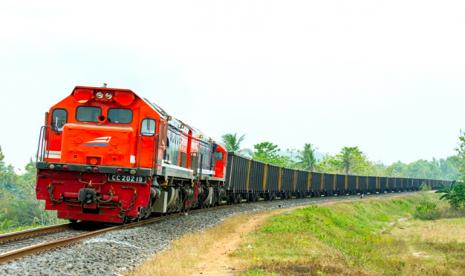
[119, 115]
[88, 113]
[218, 155]
[59, 118]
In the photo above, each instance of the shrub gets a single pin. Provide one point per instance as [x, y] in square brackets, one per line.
[425, 187]
[426, 210]
[455, 195]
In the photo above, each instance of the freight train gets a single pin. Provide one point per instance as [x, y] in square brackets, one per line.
[109, 155]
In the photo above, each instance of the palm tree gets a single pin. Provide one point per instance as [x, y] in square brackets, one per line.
[307, 157]
[454, 193]
[350, 157]
[232, 142]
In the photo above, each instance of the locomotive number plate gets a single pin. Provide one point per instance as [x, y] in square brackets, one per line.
[127, 178]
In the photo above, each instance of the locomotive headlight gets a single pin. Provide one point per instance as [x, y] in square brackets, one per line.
[108, 96]
[133, 172]
[99, 95]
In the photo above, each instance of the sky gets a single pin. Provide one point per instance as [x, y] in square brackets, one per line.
[387, 76]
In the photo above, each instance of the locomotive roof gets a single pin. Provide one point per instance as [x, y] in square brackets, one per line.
[103, 88]
[171, 120]
[155, 107]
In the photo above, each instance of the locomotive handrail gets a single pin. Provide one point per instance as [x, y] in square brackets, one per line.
[38, 145]
[41, 145]
[154, 151]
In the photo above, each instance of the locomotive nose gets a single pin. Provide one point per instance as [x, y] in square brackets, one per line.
[98, 145]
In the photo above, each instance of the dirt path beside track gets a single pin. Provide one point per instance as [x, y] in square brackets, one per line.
[217, 260]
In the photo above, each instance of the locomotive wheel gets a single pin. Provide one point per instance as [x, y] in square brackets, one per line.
[145, 213]
[231, 199]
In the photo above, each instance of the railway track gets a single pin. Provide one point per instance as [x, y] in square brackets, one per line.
[65, 241]
[21, 235]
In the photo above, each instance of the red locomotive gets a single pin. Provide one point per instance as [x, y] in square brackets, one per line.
[108, 155]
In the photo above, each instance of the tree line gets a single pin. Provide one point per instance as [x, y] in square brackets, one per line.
[349, 160]
[18, 204]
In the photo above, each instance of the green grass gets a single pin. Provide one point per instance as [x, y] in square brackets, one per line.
[348, 238]
[19, 228]
[27, 227]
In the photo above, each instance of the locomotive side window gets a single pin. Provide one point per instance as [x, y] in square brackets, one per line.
[119, 115]
[59, 118]
[88, 113]
[218, 156]
[148, 127]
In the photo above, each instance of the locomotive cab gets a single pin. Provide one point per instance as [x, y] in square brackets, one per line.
[102, 127]
[97, 155]
[220, 156]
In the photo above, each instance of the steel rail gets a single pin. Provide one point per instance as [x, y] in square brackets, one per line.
[21, 235]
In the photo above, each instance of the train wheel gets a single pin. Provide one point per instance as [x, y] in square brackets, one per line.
[251, 197]
[231, 199]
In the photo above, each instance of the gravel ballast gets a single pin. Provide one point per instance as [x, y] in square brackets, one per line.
[117, 252]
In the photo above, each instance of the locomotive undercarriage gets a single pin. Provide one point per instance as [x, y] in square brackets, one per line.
[176, 195]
